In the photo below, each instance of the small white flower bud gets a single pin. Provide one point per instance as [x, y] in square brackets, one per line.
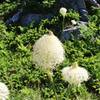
[73, 22]
[63, 11]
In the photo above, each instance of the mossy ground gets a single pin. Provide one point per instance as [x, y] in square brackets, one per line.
[25, 81]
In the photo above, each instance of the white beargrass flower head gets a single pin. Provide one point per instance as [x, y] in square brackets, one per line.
[48, 51]
[74, 74]
[4, 92]
[63, 11]
[73, 22]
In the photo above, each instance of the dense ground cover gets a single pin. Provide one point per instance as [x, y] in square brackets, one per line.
[25, 81]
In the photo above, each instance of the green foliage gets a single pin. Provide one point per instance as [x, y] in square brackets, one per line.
[72, 15]
[48, 3]
[27, 94]
[6, 8]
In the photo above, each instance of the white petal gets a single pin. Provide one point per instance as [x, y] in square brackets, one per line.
[4, 92]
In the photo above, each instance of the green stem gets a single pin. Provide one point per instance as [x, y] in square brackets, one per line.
[63, 24]
[52, 81]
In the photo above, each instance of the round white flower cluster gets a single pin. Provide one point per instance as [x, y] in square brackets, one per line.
[4, 92]
[48, 51]
[74, 74]
[63, 11]
[73, 22]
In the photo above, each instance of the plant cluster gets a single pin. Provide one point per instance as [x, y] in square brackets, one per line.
[24, 79]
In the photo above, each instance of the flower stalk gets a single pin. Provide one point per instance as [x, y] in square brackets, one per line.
[63, 11]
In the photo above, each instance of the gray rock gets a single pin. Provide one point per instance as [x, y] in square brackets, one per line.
[36, 18]
[27, 19]
[15, 18]
[70, 33]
